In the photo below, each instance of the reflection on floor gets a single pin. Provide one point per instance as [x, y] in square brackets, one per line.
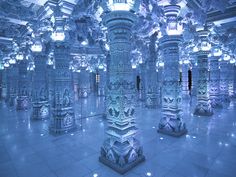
[27, 150]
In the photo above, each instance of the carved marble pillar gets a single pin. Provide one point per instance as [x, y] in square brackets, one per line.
[151, 99]
[121, 150]
[4, 84]
[224, 81]
[50, 71]
[159, 85]
[171, 122]
[142, 73]
[40, 101]
[12, 84]
[92, 81]
[1, 71]
[185, 89]
[31, 73]
[76, 85]
[63, 116]
[23, 100]
[203, 107]
[231, 80]
[234, 68]
[8, 83]
[194, 79]
[101, 82]
[214, 90]
[84, 83]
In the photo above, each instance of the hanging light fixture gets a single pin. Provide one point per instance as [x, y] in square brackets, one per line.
[195, 48]
[12, 60]
[37, 45]
[186, 61]
[226, 57]
[20, 56]
[58, 34]
[85, 42]
[134, 65]
[161, 64]
[124, 5]
[232, 61]
[6, 64]
[216, 51]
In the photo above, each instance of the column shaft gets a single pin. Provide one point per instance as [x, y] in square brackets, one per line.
[214, 90]
[224, 81]
[185, 89]
[203, 107]
[63, 117]
[12, 84]
[102, 83]
[194, 80]
[84, 83]
[23, 101]
[151, 76]
[171, 122]
[40, 89]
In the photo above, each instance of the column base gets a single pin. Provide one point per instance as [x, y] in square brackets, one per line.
[119, 169]
[171, 133]
[121, 157]
[203, 109]
[41, 110]
[172, 125]
[22, 103]
[151, 101]
[62, 121]
[216, 103]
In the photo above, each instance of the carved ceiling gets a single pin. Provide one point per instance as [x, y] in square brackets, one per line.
[15, 14]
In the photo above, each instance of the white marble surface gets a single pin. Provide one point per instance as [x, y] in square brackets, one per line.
[28, 150]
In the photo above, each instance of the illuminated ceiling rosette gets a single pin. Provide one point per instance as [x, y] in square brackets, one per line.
[121, 5]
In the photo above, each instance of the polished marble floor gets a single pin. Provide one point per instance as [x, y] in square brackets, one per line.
[28, 150]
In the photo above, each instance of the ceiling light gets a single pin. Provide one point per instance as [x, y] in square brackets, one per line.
[58, 36]
[20, 56]
[37, 46]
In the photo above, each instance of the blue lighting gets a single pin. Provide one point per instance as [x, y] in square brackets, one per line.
[103, 88]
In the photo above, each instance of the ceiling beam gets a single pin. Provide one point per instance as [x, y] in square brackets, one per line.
[15, 21]
[38, 2]
[218, 17]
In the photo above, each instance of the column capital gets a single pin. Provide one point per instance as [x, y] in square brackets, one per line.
[166, 39]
